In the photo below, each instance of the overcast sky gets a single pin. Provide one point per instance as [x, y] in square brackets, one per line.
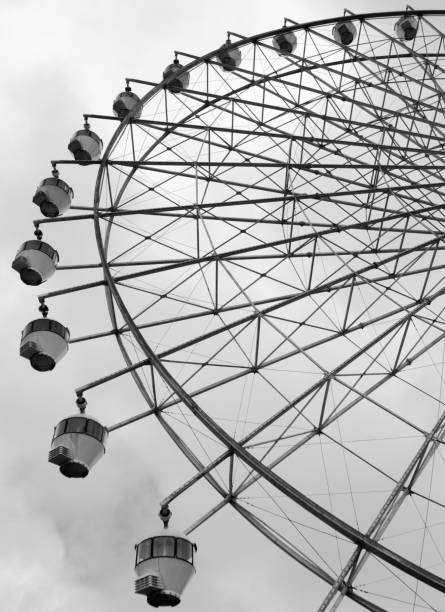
[68, 545]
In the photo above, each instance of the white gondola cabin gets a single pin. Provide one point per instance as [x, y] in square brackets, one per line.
[85, 145]
[35, 261]
[406, 27]
[78, 443]
[228, 58]
[285, 43]
[53, 196]
[125, 102]
[179, 81]
[164, 567]
[344, 32]
[44, 342]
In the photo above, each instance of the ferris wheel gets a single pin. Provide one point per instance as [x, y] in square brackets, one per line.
[270, 224]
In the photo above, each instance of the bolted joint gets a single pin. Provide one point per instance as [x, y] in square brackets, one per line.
[81, 403]
[43, 308]
[165, 515]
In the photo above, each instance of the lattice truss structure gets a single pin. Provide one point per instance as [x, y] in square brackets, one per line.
[272, 242]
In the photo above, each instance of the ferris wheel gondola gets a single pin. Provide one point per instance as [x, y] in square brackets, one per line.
[164, 565]
[85, 145]
[176, 77]
[36, 261]
[53, 196]
[406, 27]
[44, 342]
[344, 32]
[77, 445]
[229, 56]
[285, 43]
[125, 102]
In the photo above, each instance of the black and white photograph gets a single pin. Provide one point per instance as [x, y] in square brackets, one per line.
[223, 306]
